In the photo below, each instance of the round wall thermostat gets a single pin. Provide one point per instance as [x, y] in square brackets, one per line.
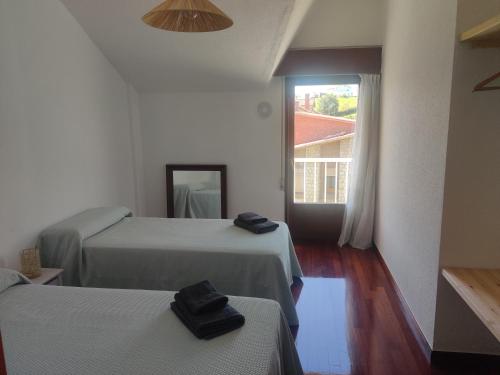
[264, 109]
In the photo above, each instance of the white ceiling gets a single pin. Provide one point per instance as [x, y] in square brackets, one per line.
[241, 57]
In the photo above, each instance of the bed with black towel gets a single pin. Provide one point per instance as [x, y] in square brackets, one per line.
[107, 248]
[65, 330]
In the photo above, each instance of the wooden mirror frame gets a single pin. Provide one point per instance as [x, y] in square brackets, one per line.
[170, 168]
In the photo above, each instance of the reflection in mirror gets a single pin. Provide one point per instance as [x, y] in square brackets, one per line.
[197, 194]
[196, 191]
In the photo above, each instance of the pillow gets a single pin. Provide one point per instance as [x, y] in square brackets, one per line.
[89, 222]
[10, 278]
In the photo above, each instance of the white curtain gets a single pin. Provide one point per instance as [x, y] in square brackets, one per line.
[357, 227]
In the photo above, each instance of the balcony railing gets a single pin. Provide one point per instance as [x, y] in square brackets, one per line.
[321, 180]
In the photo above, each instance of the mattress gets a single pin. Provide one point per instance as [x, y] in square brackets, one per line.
[66, 330]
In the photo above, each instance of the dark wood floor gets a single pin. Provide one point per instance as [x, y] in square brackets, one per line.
[351, 321]
[3, 370]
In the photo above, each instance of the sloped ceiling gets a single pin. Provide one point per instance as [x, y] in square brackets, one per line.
[342, 23]
[241, 57]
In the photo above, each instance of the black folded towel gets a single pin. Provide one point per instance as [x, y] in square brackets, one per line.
[251, 218]
[209, 325]
[259, 228]
[201, 298]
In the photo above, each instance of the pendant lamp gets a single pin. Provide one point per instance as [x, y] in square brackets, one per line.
[190, 16]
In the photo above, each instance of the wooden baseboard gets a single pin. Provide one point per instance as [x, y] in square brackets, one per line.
[465, 361]
[408, 315]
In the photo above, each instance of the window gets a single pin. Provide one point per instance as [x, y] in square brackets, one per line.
[324, 126]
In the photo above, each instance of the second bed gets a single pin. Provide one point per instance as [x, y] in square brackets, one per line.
[107, 248]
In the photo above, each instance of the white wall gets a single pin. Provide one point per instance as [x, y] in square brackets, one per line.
[136, 147]
[342, 23]
[216, 128]
[417, 61]
[471, 214]
[64, 124]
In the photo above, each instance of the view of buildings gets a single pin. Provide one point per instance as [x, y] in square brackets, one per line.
[324, 132]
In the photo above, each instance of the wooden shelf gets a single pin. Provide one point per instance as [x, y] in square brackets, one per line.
[486, 34]
[480, 289]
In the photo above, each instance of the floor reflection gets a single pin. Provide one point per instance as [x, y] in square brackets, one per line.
[322, 335]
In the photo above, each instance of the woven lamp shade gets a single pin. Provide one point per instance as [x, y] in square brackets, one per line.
[192, 16]
[30, 263]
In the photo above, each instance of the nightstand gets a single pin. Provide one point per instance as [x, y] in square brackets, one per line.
[49, 276]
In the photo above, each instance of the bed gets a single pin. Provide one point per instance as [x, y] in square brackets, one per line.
[108, 248]
[66, 330]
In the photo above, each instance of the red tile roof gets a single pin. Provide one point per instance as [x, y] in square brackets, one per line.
[313, 127]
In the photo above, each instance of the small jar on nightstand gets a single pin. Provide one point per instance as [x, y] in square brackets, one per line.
[49, 276]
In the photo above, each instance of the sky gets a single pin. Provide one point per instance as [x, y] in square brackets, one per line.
[300, 91]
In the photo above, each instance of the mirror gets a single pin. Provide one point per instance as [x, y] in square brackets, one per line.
[196, 191]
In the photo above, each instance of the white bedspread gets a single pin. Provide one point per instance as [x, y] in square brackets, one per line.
[63, 330]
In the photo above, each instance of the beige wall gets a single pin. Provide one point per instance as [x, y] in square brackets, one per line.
[471, 213]
[417, 61]
[65, 129]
